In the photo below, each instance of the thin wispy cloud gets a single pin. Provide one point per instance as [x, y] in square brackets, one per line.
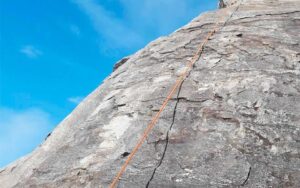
[75, 100]
[31, 51]
[112, 30]
[161, 17]
[140, 20]
[24, 130]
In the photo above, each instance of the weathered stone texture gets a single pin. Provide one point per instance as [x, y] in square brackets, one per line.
[234, 122]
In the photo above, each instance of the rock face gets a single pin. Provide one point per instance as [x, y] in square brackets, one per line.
[227, 3]
[234, 122]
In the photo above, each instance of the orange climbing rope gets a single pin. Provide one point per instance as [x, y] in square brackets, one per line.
[172, 91]
[155, 118]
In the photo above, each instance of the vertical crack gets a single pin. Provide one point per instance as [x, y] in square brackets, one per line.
[247, 178]
[167, 136]
[174, 114]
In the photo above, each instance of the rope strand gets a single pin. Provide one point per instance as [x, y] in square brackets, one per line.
[170, 94]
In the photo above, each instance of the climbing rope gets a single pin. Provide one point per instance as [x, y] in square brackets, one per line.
[167, 99]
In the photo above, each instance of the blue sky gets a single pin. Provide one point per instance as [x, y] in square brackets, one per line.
[55, 52]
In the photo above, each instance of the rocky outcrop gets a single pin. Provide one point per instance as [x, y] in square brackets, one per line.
[235, 121]
[227, 3]
[231, 2]
[120, 63]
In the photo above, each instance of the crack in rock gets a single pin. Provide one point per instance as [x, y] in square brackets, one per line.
[167, 137]
[175, 108]
[247, 178]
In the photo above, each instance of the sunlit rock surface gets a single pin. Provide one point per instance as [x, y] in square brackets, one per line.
[235, 122]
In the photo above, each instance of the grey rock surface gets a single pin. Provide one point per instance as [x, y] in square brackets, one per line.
[235, 121]
[228, 3]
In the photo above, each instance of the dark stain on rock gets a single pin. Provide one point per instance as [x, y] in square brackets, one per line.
[218, 97]
[208, 113]
[118, 106]
[120, 63]
[49, 134]
[255, 107]
[125, 154]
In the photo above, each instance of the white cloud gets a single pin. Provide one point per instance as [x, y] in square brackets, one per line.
[75, 30]
[31, 51]
[75, 100]
[21, 132]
